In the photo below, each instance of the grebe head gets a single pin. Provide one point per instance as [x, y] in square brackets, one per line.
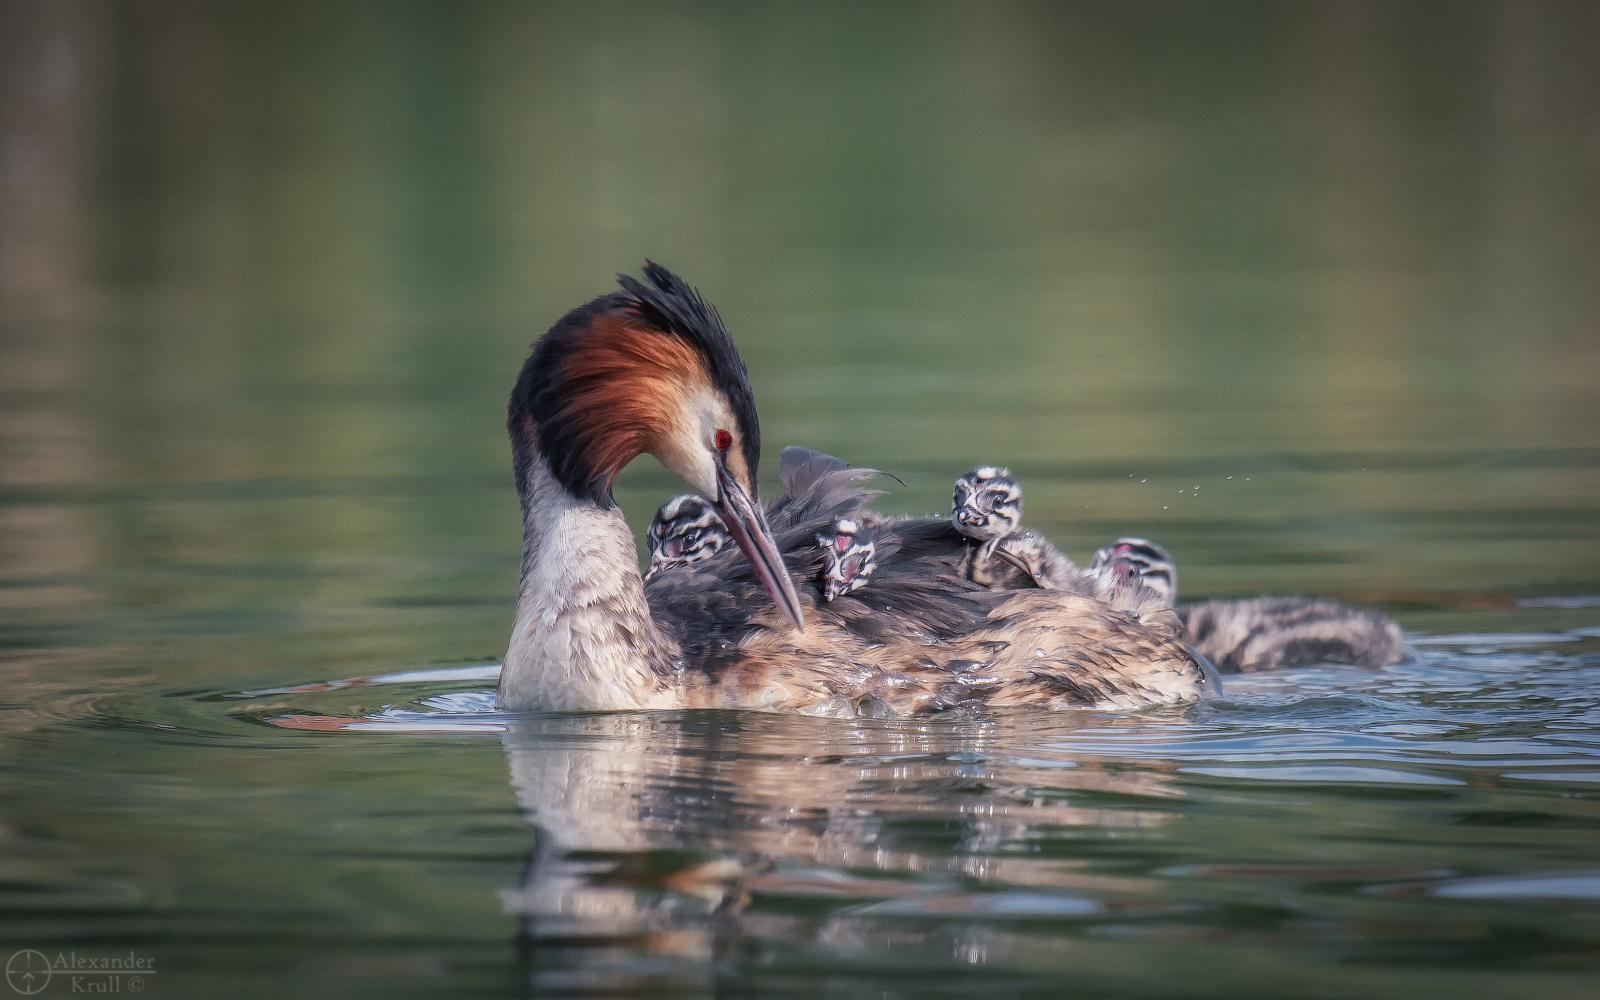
[649, 369]
[987, 504]
[685, 530]
[1139, 560]
[849, 555]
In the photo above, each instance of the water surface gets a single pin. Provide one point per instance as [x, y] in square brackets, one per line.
[1304, 292]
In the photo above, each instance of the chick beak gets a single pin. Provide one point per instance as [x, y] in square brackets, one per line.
[748, 526]
[971, 517]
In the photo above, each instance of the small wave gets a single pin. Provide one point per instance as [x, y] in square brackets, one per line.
[1531, 887]
[476, 672]
[1497, 639]
[1239, 727]
[1341, 775]
[392, 721]
[1581, 777]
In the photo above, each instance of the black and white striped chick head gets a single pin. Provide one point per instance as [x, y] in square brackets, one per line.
[987, 504]
[849, 555]
[1130, 560]
[685, 530]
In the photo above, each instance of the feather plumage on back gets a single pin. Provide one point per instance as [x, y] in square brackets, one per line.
[1067, 648]
[1273, 633]
[1132, 574]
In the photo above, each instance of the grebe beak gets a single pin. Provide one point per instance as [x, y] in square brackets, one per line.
[748, 526]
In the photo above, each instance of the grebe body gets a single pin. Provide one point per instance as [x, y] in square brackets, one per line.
[651, 369]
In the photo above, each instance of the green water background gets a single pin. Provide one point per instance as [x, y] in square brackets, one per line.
[1306, 292]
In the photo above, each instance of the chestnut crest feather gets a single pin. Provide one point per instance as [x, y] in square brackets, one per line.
[598, 387]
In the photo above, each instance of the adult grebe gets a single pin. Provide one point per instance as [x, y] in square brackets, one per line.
[651, 369]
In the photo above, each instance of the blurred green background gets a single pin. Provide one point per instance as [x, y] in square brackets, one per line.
[268, 271]
[1306, 291]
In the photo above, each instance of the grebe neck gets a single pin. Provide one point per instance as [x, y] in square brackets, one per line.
[583, 638]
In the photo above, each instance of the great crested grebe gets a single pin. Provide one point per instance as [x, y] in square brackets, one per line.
[651, 369]
[1254, 634]
[685, 529]
[1273, 633]
[986, 507]
[1132, 574]
[1135, 574]
[1131, 561]
[849, 556]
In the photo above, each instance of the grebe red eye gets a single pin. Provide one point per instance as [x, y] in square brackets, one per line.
[724, 440]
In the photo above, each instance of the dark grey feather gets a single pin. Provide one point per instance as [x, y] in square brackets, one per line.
[800, 468]
[1272, 633]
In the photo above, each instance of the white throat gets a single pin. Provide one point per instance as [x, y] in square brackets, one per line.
[583, 638]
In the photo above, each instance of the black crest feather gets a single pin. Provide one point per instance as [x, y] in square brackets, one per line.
[675, 307]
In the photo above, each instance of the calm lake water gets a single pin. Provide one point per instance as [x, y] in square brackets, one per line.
[1305, 292]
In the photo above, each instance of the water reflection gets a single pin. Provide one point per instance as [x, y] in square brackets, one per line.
[667, 833]
[756, 782]
[265, 270]
[707, 851]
